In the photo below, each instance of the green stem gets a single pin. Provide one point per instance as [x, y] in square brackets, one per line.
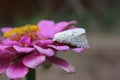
[31, 75]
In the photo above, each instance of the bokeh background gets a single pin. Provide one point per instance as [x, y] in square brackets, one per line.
[101, 19]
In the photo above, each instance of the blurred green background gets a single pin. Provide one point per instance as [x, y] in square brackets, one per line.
[101, 19]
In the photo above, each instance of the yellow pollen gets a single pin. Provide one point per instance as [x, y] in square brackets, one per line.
[21, 30]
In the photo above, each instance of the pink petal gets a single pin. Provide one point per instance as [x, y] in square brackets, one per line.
[3, 52]
[26, 40]
[5, 29]
[60, 48]
[23, 49]
[17, 70]
[45, 27]
[16, 79]
[47, 52]
[3, 46]
[11, 50]
[62, 64]
[60, 26]
[78, 50]
[88, 46]
[6, 53]
[5, 60]
[46, 42]
[33, 60]
[9, 42]
[42, 42]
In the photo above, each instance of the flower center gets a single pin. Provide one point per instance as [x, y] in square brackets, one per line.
[17, 33]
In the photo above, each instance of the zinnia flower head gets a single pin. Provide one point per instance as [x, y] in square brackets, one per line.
[27, 47]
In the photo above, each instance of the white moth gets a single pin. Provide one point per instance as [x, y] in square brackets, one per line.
[75, 37]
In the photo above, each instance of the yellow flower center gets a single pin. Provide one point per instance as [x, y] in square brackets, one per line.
[23, 30]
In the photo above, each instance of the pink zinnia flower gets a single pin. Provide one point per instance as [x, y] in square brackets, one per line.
[29, 46]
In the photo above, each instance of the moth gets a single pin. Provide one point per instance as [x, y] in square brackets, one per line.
[75, 37]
